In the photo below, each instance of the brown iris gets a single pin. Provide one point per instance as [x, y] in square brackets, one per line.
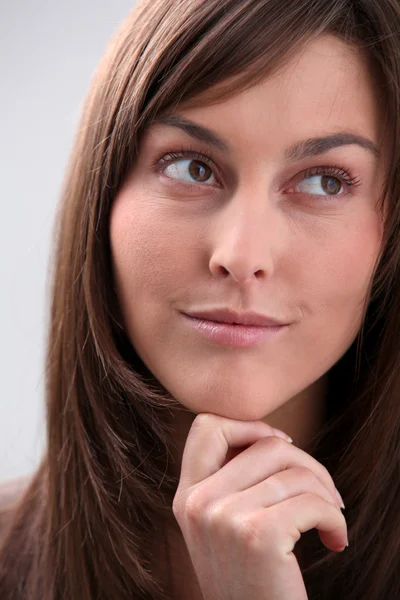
[331, 185]
[199, 170]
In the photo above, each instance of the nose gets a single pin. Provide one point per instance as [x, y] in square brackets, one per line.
[246, 240]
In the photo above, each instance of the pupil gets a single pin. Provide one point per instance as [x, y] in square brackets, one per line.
[199, 170]
[331, 185]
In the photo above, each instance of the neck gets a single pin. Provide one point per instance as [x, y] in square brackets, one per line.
[303, 415]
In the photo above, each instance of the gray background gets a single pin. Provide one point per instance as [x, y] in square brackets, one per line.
[49, 51]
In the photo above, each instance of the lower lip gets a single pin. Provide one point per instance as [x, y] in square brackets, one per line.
[236, 336]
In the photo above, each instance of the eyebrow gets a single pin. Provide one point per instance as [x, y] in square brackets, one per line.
[300, 150]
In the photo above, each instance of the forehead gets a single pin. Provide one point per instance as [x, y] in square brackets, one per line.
[327, 87]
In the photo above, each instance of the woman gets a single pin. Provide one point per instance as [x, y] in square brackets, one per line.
[234, 157]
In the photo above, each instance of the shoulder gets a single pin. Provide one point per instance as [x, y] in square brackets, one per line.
[11, 492]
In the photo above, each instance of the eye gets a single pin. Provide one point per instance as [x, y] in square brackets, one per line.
[325, 182]
[321, 185]
[189, 167]
[190, 170]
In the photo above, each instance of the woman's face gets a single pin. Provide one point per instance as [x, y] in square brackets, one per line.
[282, 222]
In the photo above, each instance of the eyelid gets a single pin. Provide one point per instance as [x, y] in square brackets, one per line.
[187, 152]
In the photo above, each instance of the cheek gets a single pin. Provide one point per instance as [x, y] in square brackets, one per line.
[150, 251]
[343, 271]
[355, 254]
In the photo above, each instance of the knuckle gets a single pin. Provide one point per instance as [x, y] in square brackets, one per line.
[272, 442]
[278, 487]
[303, 471]
[313, 499]
[321, 504]
[204, 420]
[246, 530]
[324, 478]
[336, 513]
[219, 516]
[195, 505]
[281, 484]
[249, 532]
[177, 506]
[306, 474]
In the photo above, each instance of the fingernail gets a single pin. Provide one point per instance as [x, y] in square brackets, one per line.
[339, 498]
[283, 435]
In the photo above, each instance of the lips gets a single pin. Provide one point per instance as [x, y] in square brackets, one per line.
[226, 315]
[231, 335]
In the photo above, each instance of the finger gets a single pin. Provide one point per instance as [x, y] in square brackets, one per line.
[287, 520]
[277, 488]
[209, 440]
[266, 457]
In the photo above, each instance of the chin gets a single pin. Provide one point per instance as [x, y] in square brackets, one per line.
[241, 407]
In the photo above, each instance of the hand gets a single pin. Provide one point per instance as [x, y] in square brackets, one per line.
[241, 518]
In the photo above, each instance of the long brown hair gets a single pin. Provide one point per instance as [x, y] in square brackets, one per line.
[86, 525]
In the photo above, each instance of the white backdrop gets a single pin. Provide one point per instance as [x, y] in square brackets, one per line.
[48, 53]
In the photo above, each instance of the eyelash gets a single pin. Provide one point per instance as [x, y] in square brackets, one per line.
[344, 176]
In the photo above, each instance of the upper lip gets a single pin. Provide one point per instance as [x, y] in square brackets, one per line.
[227, 315]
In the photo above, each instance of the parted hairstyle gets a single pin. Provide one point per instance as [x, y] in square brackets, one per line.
[85, 526]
